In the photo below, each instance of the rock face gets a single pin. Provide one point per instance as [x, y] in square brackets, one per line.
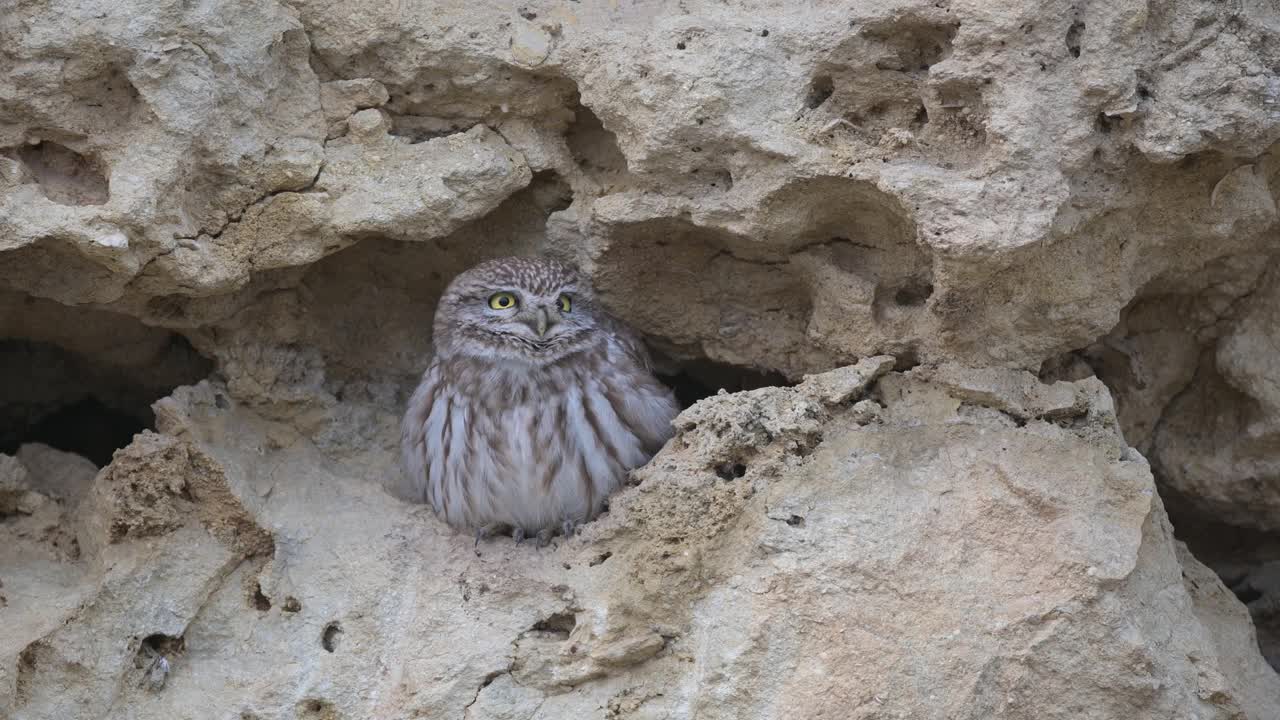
[250, 207]
[943, 543]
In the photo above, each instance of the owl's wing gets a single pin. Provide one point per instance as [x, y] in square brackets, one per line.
[412, 482]
[646, 405]
[632, 345]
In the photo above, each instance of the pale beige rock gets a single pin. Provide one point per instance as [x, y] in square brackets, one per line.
[384, 186]
[340, 99]
[847, 568]
[786, 188]
[907, 179]
[59, 474]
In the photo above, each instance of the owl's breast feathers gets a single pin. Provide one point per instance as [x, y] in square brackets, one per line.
[532, 446]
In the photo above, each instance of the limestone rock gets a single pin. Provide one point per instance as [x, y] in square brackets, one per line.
[258, 203]
[63, 475]
[928, 562]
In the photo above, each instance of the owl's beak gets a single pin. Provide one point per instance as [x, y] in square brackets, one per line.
[540, 321]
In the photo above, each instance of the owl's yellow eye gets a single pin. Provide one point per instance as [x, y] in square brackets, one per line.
[502, 301]
[565, 303]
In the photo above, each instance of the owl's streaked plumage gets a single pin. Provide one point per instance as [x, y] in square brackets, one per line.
[536, 404]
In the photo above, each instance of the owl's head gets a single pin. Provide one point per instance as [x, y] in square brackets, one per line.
[530, 309]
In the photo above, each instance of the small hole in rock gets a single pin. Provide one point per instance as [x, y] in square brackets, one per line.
[819, 90]
[318, 709]
[165, 644]
[291, 604]
[599, 559]
[261, 602]
[904, 360]
[913, 294]
[1247, 594]
[731, 471]
[331, 636]
[680, 45]
[1073, 38]
[795, 521]
[764, 33]
[65, 176]
[559, 623]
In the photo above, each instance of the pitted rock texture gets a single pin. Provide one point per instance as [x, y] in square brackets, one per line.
[882, 545]
[270, 197]
[910, 177]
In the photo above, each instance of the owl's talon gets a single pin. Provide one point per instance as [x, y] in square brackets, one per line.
[569, 528]
[544, 537]
[518, 535]
[487, 531]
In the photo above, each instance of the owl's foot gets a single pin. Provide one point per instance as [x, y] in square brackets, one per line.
[569, 528]
[488, 531]
[544, 537]
[518, 535]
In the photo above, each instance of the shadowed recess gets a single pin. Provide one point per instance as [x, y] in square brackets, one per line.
[80, 404]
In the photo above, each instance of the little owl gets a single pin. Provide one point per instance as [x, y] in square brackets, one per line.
[535, 407]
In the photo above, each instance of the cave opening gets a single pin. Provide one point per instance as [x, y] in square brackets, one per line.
[696, 379]
[87, 403]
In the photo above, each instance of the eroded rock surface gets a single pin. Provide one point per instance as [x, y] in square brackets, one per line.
[272, 196]
[864, 545]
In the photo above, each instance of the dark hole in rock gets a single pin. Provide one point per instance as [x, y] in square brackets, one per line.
[921, 117]
[731, 471]
[64, 175]
[317, 708]
[698, 379]
[87, 405]
[155, 658]
[559, 623]
[1246, 593]
[261, 602]
[819, 90]
[913, 294]
[905, 359]
[291, 604]
[28, 659]
[1073, 38]
[599, 559]
[1246, 559]
[165, 644]
[88, 428]
[795, 521]
[331, 636]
